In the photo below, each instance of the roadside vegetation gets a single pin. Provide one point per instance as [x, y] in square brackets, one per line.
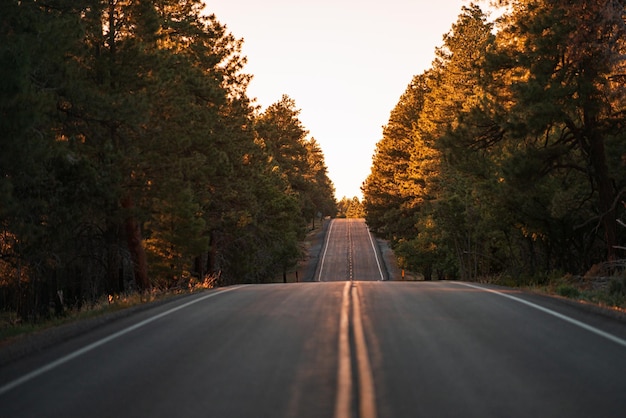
[609, 292]
[506, 160]
[350, 208]
[133, 160]
[12, 326]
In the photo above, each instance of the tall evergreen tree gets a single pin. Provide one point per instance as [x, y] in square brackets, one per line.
[52, 196]
[558, 67]
[516, 160]
[130, 157]
[425, 185]
[320, 198]
[284, 138]
[388, 202]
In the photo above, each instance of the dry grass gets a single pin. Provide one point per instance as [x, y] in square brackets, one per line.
[12, 327]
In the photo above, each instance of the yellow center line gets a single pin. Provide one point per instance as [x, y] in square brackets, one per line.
[367, 394]
[344, 369]
[365, 386]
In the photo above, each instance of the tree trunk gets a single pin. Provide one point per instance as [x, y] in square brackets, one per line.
[428, 273]
[199, 266]
[114, 272]
[135, 246]
[213, 264]
[606, 194]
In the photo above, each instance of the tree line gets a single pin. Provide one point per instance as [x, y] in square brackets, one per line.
[132, 158]
[350, 208]
[507, 157]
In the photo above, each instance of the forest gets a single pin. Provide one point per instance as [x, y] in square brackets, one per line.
[132, 158]
[507, 158]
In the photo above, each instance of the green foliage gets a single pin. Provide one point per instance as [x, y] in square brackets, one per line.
[299, 159]
[320, 199]
[511, 162]
[388, 192]
[350, 208]
[132, 157]
[617, 287]
[568, 291]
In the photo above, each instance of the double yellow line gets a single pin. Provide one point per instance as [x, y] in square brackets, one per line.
[351, 310]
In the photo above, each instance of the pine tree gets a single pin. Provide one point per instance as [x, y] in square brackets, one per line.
[320, 199]
[52, 196]
[557, 68]
[284, 138]
[388, 200]
[452, 89]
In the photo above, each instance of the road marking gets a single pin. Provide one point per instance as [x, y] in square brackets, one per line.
[366, 391]
[367, 394]
[350, 252]
[330, 228]
[344, 361]
[53, 365]
[369, 234]
[565, 318]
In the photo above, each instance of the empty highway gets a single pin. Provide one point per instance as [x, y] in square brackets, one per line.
[336, 347]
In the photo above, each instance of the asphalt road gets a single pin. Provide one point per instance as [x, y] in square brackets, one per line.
[364, 348]
[349, 253]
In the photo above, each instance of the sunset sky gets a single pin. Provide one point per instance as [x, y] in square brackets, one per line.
[344, 62]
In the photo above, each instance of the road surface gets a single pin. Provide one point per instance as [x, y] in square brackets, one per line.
[364, 348]
[349, 253]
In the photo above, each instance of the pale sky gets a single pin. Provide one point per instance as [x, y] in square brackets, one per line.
[344, 62]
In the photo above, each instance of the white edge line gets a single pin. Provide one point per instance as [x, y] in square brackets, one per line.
[330, 228]
[565, 318]
[60, 361]
[369, 234]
